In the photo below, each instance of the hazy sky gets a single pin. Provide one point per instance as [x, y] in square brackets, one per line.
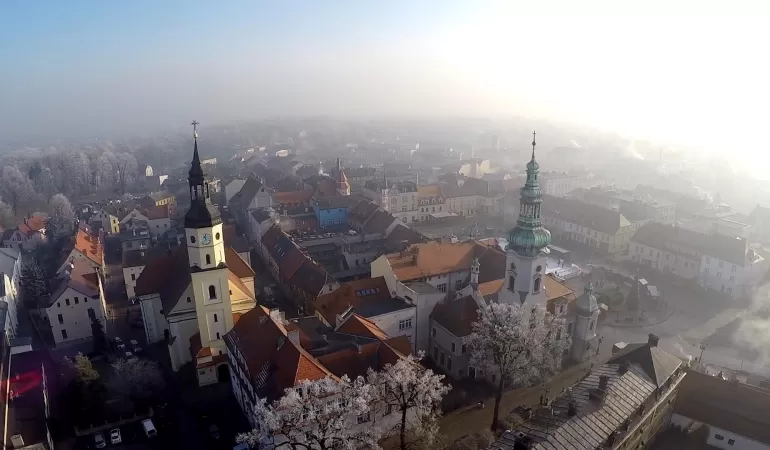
[687, 71]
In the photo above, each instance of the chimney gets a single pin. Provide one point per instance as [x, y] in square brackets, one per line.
[603, 379]
[652, 340]
[624, 367]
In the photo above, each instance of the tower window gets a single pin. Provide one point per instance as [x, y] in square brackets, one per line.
[511, 281]
[208, 259]
[216, 319]
[217, 236]
[536, 288]
[192, 239]
[212, 292]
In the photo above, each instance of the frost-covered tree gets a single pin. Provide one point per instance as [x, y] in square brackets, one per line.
[139, 379]
[125, 165]
[15, 187]
[316, 415]
[61, 216]
[516, 346]
[105, 169]
[32, 282]
[7, 218]
[414, 393]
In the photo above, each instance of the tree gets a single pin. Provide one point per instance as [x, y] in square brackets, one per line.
[97, 333]
[84, 369]
[316, 415]
[409, 389]
[15, 186]
[516, 346]
[61, 217]
[32, 282]
[126, 166]
[7, 218]
[86, 391]
[138, 379]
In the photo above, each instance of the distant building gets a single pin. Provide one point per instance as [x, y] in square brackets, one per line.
[158, 199]
[401, 199]
[77, 299]
[27, 235]
[332, 212]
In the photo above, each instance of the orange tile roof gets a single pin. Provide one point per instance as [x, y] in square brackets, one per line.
[237, 265]
[359, 326]
[89, 246]
[431, 258]
[336, 302]
[236, 317]
[431, 190]
[292, 197]
[32, 225]
[401, 344]
[233, 278]
[491, 287]
[554, 289]
[158, 212]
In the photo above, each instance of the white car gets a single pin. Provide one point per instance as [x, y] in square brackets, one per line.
[115, 437]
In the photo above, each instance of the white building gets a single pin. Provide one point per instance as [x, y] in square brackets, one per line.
[401, 199]
[232, 188]
[76, 301]
[27, 235]
[737, 415]
[10, 272]
[193, 297]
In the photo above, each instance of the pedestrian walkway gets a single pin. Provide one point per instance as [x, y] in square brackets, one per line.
[473, 419]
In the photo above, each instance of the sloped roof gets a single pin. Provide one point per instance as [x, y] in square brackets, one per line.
[401, 233]
[292, 197]
[491, 287]
[237, 265]
[82, 278]
[725, 248]
[234, 240]
[32, 225]
[456, 316]
[740, 408]
[658, 364]
[379, 222]
[584, 214]
[359, 326]
[431, 190]
[243, 197]
[352, 294]
[431, 258]
[89, 246]
[158, 212]
[310, 278]
[160, 195]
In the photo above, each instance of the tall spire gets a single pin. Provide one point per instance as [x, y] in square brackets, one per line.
[195, 176]
[529, 237]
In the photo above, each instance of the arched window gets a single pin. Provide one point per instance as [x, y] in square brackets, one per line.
[212, 291]
[208, 259]
[511, 281]
[539, 269]
[192, 239]
[536, 288]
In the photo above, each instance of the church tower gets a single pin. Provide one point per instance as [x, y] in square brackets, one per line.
[343, 187]
[586, 319]
[527, 246]
[206, 258]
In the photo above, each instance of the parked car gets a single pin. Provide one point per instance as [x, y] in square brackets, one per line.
[99, 441]
[115, 437]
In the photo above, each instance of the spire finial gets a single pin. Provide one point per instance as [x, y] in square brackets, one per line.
[534, 134]
[195, 124]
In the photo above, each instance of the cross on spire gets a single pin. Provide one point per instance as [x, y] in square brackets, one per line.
[195, 124]
[534, 134]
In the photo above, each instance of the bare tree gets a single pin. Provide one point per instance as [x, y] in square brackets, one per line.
[316, 415]
[61, 217]
[7, 218]
[413, 392]
[126, 166]
[106, 168]
[516, 346]
[15, 187]
[138, 379]
[45, 182]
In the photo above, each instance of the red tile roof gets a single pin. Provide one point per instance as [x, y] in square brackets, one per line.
[89, 246]
[293, 197]
[32, 225]
[237, 265]
[358, 326]
[158, 212]
[456, 316]
[333, 303]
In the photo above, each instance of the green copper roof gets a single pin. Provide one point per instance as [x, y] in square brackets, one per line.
[529, 237]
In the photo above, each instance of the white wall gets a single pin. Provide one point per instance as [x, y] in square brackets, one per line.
[155, 323]
[131, 282]
[232, 188]
[158, 226]
[389, 323]
[75, 317]
[739, 442]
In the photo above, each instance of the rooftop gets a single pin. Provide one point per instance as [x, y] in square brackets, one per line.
[725, 248]
[368, 297]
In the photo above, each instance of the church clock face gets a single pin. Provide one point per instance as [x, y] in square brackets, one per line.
[206, 239]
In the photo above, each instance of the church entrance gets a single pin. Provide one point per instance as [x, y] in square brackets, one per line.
[223, 373]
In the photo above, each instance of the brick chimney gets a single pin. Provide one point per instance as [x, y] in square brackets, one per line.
[652, 340]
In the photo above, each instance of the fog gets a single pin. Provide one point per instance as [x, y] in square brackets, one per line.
[677, 73]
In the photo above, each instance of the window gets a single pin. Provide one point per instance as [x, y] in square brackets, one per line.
[216, 237]
[64, 334]
[536, 288]
[458, 285]
[67, 301]
[363, 418]
[218, 336]
[192, 239]
[442, 358]
[435, 352]
[58, 304]
[434, 332]
[189, 299]
[216, 319]
[511, 282]
[719, 437]
[404, 324]
[441, 287]
[449, 363]
[133, 277]
[212, 292]
[61, 318]
[454, 347]
[731, 441]
[464, 349]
